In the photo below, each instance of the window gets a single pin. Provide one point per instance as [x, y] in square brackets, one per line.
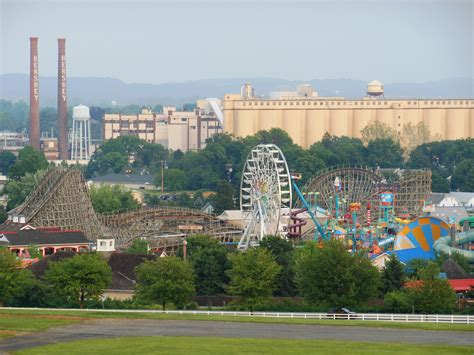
[102, 244]
[183, 119]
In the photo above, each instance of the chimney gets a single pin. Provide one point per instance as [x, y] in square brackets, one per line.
[34, 95]
[62, 100]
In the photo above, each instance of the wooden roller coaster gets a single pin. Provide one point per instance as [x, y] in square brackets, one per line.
[62, 199]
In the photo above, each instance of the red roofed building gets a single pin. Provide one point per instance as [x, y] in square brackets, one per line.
[462, 285]
[458, 285]
[49, 240]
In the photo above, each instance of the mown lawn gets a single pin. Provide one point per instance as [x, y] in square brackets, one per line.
[373, 324]
[205, 345]
[14, 324]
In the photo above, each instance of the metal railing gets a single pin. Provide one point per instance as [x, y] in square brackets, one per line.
[382, 317]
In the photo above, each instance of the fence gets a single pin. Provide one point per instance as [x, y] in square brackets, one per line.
[419, 318]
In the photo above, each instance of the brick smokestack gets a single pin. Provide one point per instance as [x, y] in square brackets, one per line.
[62, 100]
[34, 95]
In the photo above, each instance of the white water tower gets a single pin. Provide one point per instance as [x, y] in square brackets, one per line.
[81, 133]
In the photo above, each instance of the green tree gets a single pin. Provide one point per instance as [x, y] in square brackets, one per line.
[7, 159]
[48, 119]
[433, 295]
[13, 116]
[414, 267]
[398, 301]
[80, 278]
[29, 161]
[393, 275]
[12, 276]
[209, 260]
[463, 176]
[439, 183]
[18, 190]
[253, 276]
[106, 199]
[174, 180]
[35, 251]
[282, 250]
[385, 153]
[224, 197]
[333, 277]
[3, 214]
[165, 280]
[139, 246]
[377, 130]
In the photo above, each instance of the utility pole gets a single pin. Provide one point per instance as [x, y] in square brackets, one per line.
[163, 176]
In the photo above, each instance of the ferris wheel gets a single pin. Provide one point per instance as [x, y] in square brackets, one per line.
[265, 189]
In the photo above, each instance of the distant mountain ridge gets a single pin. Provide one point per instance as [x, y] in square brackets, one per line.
[102, 91]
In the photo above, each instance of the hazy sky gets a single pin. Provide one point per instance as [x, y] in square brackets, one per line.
[164, 41]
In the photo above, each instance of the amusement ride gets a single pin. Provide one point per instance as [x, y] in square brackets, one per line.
[379, 212]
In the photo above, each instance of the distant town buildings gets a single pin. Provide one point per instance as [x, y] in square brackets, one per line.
[307, 117]
[173, 129]
[49, 146]
[13, 141]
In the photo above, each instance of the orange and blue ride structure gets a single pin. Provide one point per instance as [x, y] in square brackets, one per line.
[416, 239]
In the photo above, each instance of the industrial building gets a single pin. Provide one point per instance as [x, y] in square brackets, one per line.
[307, 117]
[173, 129]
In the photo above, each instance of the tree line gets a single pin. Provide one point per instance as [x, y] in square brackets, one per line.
[223, 157]
[323, 275]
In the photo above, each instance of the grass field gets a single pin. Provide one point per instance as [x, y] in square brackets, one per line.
[14, 324]
[75, 316]
[204, 345]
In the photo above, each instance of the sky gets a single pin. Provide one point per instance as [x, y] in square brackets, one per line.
[147, 41]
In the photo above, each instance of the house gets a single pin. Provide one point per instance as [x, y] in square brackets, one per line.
[435, 198]
[458, 285]
[207, 208]
[49, 240]
[123, 274]
[458, 199]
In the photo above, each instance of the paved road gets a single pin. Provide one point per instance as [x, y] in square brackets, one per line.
[140, 327]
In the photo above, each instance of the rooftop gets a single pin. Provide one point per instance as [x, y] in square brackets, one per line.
[42, 237]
